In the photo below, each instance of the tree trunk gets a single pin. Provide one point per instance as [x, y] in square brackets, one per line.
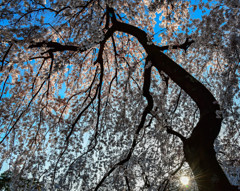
[198, 149]
[201, 157]
[204, 165]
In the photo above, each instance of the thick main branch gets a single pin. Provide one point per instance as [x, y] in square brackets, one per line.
[198, 148]
[205, 101]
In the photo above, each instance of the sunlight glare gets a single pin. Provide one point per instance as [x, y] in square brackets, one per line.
[184, 180]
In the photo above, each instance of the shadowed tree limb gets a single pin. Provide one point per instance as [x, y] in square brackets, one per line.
[5, 56]
[5, 82]
[127, 182]
[147, 110]
[166, 181]
[54, 46]
[198, 148]
[171, 131]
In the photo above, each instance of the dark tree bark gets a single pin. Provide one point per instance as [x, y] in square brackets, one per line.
[198, 148]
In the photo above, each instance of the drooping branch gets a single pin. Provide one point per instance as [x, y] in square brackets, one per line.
[100, 61]
[89, 90]
[127, 182]
[5, 56]
[97, 94]
[177, 102]
[147, 110]
[166, 181]
[22, 113]
[71, 132]
[5, 82]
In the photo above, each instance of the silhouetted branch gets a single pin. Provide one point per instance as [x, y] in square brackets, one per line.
[127, 182]
[5, 55]
[171, 131]
[147, 110]
[54, 46]
[176, 105]
[166, 181]
[183, 46]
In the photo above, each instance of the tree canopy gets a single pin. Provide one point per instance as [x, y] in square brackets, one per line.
[120, 95]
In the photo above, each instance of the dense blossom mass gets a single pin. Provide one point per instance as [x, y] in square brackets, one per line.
[119, 94]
